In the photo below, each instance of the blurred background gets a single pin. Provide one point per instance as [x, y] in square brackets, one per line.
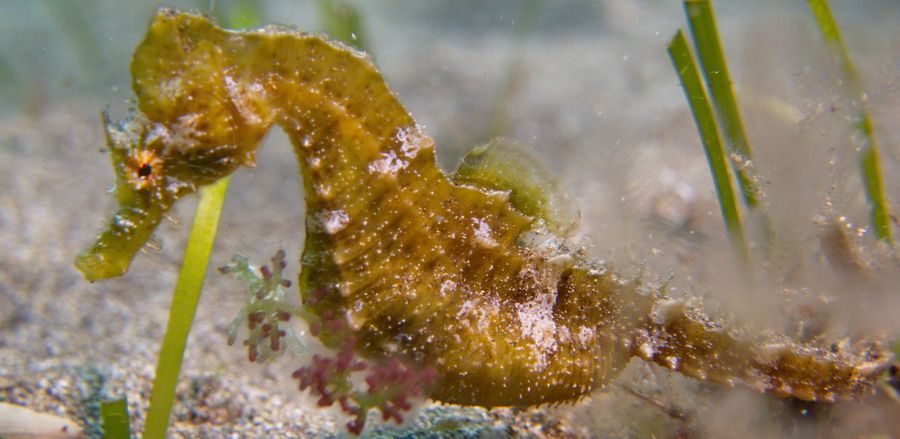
[586, 83]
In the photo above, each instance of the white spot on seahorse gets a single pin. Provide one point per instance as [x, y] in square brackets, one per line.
[158, 132]
[412, 141]
[388, 165]
[182, 134]
[585, 336]
[771, 352]
[483, 236]
[672, 361]
[323, 190]
[868, 368]
[564, 335]
[536, 322]
[447, 286]
[127, 131]
[354, 320]
[333, 221]
[170, 89]
[647, 350]
[242, 96]
[481, 311]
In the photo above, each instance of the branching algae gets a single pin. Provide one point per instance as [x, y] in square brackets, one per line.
[462, 273]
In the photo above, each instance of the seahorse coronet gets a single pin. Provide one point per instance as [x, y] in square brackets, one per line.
[450, 276]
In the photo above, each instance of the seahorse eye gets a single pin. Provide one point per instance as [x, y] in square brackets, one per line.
[145, 170]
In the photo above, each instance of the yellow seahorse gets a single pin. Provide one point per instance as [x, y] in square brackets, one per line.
[459, 273]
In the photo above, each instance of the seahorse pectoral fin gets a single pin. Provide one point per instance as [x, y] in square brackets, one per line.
[509, 166]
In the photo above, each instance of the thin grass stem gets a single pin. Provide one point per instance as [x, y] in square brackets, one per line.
[184, 306]
[868, 157]
[114, 416]
[712, 145]
[704, 31]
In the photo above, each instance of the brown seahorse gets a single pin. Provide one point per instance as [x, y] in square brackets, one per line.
[460, 273]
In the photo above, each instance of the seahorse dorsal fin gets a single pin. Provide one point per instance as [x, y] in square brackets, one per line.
[506, 165]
